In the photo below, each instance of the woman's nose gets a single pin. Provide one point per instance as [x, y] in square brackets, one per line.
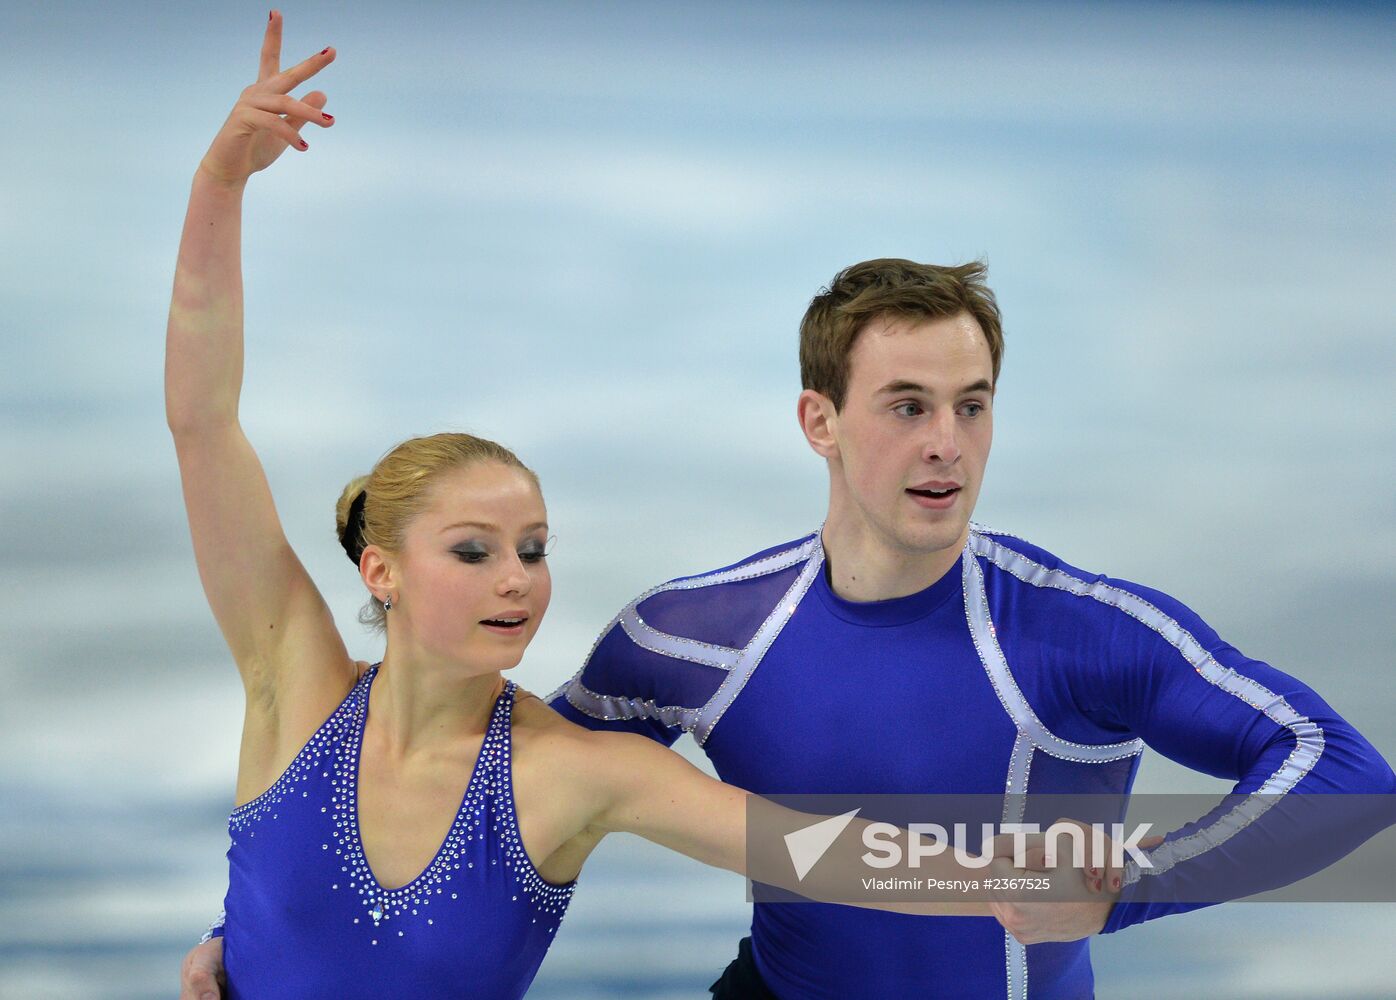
[515, 578]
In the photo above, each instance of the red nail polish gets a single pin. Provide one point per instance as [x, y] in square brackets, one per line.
[304, 144]
[328, 118]
[324, 50]
[271, 14]
[1114, 883]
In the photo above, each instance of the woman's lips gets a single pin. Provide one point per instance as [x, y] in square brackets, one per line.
[505, 624]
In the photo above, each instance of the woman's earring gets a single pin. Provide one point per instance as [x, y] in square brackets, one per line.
[388, 603]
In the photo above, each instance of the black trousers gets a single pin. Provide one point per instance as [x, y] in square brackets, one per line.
[740, 980]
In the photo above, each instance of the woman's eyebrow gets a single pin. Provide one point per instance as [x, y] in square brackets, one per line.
[491, 527]
[471, 524]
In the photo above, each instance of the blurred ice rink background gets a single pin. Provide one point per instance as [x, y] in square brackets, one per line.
[590, 231]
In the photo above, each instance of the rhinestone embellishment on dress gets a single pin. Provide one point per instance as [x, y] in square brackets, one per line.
[485, 825]
[487, 810]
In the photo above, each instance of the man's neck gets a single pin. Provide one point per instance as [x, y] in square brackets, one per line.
[864, 567]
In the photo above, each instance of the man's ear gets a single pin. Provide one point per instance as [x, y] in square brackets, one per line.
[819, 420]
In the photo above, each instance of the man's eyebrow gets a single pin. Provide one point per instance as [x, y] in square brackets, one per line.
[491, 527]
[901, 385]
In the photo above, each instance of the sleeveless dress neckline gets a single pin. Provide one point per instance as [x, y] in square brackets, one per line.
[307, 917]
[477, 773]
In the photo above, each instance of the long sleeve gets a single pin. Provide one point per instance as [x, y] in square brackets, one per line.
[1165, 676]
[663, 659]
[642, 725]
[624, 687]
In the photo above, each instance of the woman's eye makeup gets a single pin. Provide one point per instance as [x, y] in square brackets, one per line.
[474, 552]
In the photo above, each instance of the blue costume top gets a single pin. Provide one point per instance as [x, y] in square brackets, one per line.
[305, 916]
[1014, 672]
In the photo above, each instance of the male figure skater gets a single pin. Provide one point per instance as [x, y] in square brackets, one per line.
[904, 648]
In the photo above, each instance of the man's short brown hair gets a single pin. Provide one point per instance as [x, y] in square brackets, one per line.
[888, 286]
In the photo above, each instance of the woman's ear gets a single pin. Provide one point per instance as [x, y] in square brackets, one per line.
[377, 575]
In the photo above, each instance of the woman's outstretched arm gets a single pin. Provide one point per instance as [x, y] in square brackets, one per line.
[268, 609]
[638, 787]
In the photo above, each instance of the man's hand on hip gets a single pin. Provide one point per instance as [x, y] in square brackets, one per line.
[201, 975]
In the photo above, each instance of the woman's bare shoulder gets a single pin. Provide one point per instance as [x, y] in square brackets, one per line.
[571, 746]
[535, 715]
[565, 743]
[553, 749]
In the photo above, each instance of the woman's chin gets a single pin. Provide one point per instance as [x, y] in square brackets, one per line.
[496, 659]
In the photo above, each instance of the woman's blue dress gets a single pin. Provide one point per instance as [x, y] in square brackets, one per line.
[307, 918]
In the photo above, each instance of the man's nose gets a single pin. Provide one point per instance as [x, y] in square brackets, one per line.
[941, 445]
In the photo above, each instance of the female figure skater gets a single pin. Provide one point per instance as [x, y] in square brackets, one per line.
[417, 830]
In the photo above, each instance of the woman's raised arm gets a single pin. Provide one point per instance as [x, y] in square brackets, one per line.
[265, 603]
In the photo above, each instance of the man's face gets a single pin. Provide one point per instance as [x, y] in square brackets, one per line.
[913, 436]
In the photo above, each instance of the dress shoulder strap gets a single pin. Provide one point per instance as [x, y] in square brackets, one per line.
[549, 899]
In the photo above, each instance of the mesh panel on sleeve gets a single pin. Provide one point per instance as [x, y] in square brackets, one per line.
[725, 614]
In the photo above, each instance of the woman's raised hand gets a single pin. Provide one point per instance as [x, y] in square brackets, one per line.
[256, 132]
